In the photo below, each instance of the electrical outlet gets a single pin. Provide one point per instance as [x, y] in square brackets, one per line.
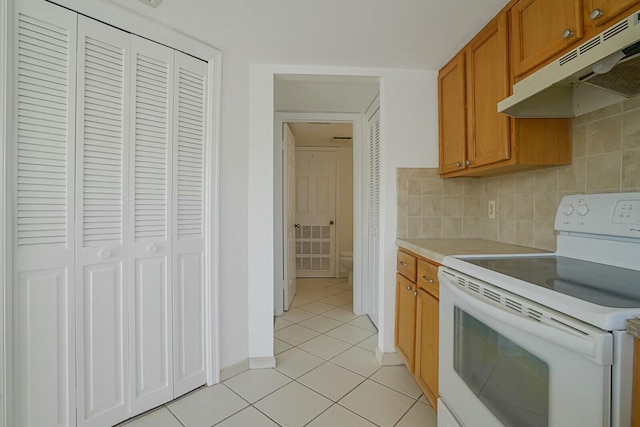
[492, 209]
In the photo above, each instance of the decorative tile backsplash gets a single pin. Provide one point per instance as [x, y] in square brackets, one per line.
[606, 158]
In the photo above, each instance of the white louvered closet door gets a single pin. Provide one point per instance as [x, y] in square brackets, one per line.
[43, 322]
[150, 223]
[102, 203]
[374, 215]
[189, 150]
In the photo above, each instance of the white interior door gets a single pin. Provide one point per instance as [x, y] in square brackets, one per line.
[43, 190]
[290, 211]
[189, 152]
[150, 293]
[315, 212]
[101, 209]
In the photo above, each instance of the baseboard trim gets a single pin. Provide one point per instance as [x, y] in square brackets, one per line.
[388, 359]
[262, 362]
[233, 370]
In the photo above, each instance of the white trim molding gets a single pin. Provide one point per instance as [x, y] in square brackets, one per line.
[4, 306]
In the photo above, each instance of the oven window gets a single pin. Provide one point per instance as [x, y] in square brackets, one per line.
[511, 382]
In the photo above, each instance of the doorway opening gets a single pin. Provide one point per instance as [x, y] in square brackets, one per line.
[317, 203]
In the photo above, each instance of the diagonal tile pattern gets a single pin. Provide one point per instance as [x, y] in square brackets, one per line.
[326, 375]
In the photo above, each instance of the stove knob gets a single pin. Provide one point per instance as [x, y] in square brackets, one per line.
[567, 209]
[582, 210]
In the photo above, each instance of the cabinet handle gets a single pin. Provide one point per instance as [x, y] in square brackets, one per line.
[467, 162]
[404, 264]
[408, 288]
[458, 164]
[427, 279]
[105, 254]
[152, 248]
[415, 293]
[596, 14]
[566, 34]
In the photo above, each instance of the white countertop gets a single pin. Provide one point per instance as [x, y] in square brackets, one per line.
[437, 249]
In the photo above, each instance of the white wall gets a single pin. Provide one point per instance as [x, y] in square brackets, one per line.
[408, 101]
[408, 113]
[344, 198]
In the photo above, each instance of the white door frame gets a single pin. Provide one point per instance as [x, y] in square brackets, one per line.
[356, 119]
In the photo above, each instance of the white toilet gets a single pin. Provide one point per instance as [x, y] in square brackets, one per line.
[346, 261]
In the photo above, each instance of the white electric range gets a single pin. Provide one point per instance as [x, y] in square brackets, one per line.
[539, 339]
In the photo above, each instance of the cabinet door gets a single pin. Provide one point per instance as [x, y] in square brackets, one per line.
[452, 124]
[189, 152]
[542, 28]
[42, 148]
[488, 83]
[405, 320]
[600, 12]
[101, 207]
[427, 343]
[150, 293]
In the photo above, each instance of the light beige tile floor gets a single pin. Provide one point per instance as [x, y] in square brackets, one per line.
[326, 375]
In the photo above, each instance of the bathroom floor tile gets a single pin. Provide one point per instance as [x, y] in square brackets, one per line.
[420, 415]
[336, 300]
[332, 381]
[280, 346]
[255, 384]
[295, 362]
[295, 334]
[317, 307]
[370, 344]
[320, 324]
[377, 403]
[207, 406]
[158, 418]
[280, 323]
[358, 360]
[296, 315]
[350, 334]
[248, 417]
[364, 322]
[299, 301]
[294, 405]
[398, 378]
[340, 314]
[325, 347]
[337, 416]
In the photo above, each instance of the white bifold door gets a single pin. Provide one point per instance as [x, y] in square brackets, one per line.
[110, 137]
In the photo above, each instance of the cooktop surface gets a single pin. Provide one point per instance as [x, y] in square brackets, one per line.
[600, 284]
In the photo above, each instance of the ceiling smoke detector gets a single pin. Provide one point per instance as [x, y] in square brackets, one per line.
[152, 3]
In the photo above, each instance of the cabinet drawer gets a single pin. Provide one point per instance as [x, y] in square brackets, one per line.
[406, 265]
[428, 277]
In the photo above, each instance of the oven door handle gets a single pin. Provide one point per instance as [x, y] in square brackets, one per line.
[597, 346]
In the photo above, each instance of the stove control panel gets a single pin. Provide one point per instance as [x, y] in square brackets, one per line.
[611, 214]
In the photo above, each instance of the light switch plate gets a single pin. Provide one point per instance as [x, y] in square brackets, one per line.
[492, 209]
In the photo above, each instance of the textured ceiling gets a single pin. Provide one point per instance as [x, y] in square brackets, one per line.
[413, 34]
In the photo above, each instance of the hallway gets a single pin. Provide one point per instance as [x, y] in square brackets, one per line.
[326, 375]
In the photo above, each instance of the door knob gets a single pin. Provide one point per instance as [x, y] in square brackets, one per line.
[152, 248]
[331, 222]
[105, 253]
[297, 225]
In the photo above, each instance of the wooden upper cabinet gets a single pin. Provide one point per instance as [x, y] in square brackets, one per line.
[542, 28]
[487, 69]
[452, 120]
[600, 12]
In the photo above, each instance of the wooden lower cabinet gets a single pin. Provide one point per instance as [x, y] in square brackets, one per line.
[406, 320]
[426, 364]
[417, 311]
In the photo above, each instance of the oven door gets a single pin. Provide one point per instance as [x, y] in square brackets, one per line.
[499, 367]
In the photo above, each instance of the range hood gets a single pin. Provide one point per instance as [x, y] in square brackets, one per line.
[600, 72]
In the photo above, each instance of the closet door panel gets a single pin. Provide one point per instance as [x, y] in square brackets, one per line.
[42, 146]
[150, 221]
[189, 152]
[102, 203]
